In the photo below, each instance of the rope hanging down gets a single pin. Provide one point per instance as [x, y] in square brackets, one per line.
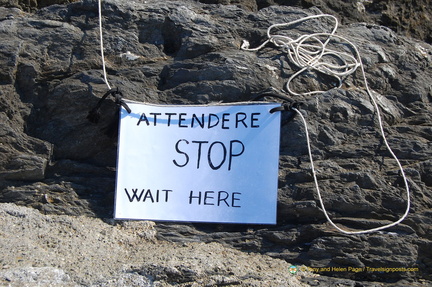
[94, 115]
[102, 45]
[308, 52]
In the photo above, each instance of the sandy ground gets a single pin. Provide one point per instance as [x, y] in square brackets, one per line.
[46, 250]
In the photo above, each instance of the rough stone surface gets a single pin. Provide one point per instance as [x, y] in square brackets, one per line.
[51, 250]
[405, 17]
[53, 160]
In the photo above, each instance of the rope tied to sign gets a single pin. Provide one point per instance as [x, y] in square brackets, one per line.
[287, 107]
[309, 52]
[95, 114]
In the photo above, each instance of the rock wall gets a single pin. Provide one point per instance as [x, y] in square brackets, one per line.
[54, 160]
[406, 17]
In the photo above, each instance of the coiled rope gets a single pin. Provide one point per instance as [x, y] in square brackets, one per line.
[308, 52]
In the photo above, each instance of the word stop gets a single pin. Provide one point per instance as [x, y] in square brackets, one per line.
[217, 152]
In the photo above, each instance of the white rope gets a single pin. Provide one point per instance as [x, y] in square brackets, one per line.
[319, 193]
[102, 45]
[308, 56]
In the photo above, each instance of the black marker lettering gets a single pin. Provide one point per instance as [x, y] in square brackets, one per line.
[220, 198]
[169, 117]
[253, 119]
[210, 116]
[134, 191]
[181, 152]
[148, 195]
[199, 151]
[240, 118]
[166, 193]
[143, 118]
[201, 123]
[206, 196]
[210, 152]
[182, 119]
[232, 154]
[134, 195]
[155, 117]
[192, 197]
[234, 199]
[224, 119]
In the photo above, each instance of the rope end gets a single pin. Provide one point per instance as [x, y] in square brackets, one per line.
[245, 45]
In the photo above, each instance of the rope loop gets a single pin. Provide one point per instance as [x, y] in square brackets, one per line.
[288, 106]
[311, 52]
[95, 113]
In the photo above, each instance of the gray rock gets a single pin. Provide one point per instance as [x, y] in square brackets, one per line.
[36, 276]
[185, 52]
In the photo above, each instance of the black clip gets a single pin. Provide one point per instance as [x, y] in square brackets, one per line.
[94, 115]
[119, 100]
[285, 107]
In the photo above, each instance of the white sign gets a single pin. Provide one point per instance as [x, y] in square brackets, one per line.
[198, 163]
